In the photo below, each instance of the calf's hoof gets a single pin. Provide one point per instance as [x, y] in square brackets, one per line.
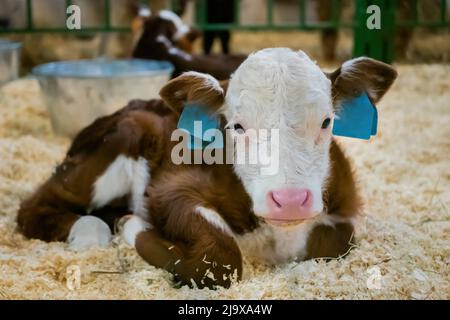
[130, 226]
[88, 232]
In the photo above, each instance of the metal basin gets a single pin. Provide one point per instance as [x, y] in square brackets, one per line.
[78, 92]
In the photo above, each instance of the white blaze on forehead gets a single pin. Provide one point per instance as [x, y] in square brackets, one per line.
[182, 28]
[274, 84]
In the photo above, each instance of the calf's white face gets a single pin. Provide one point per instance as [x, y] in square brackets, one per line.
[283, 91]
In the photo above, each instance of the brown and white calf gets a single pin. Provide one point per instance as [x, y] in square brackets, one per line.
[195, 220]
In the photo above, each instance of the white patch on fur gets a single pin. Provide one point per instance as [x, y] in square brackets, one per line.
[215, 220]
[132, 228]
[181, 27]
[173, 50]
[87, 232]
[209, 80]
[140, 182]
[282, 89]
[122, 177]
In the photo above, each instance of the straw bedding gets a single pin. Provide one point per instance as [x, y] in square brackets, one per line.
[403, 235]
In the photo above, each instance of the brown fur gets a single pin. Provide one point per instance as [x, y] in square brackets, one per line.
[143, 129]
[174, 194]
[341, 199]
[181, 241]
[366, 75]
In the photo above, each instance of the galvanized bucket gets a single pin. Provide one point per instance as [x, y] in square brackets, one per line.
[78, 92]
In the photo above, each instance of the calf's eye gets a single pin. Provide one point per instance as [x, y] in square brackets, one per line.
[326, 123]
[238, 128]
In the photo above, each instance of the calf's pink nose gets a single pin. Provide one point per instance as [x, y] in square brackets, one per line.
[290, 204]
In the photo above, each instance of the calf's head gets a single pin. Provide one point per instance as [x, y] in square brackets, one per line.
[165, 26]
[285, 94]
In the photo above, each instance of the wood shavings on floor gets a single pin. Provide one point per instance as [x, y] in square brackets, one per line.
[403, 237]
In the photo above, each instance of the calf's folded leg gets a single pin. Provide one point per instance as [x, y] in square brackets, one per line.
[46, 222]
[59, 210]
[209, 259]
[49, 221]
[334, 237]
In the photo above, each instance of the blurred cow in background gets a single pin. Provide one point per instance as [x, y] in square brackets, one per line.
[164, 36]
[40, 48]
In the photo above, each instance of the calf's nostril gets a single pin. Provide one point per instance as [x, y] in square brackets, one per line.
[305, 198]
[272, 196]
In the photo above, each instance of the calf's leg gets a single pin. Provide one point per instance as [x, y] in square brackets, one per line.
[208, 260]
[46, 222]
[327, 241]
[333, 238]
[56, 218]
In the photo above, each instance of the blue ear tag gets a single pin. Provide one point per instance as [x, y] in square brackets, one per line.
[197, 120]
[358, 118]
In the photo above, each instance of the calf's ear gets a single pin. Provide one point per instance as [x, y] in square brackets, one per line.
[361, 75]
[193, 87]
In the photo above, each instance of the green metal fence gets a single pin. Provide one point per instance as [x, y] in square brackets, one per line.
[105, 26]
[375, 43]
[269, 25]
[334, 22]
[380, 43]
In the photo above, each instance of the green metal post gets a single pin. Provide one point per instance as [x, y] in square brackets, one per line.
[335, 4]
[302, 13]
[174, 5]
[200, 13]
[415, 13]
[29, 15]
[237, 12]
[375, 43]
[443, 11]
[107, 14]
